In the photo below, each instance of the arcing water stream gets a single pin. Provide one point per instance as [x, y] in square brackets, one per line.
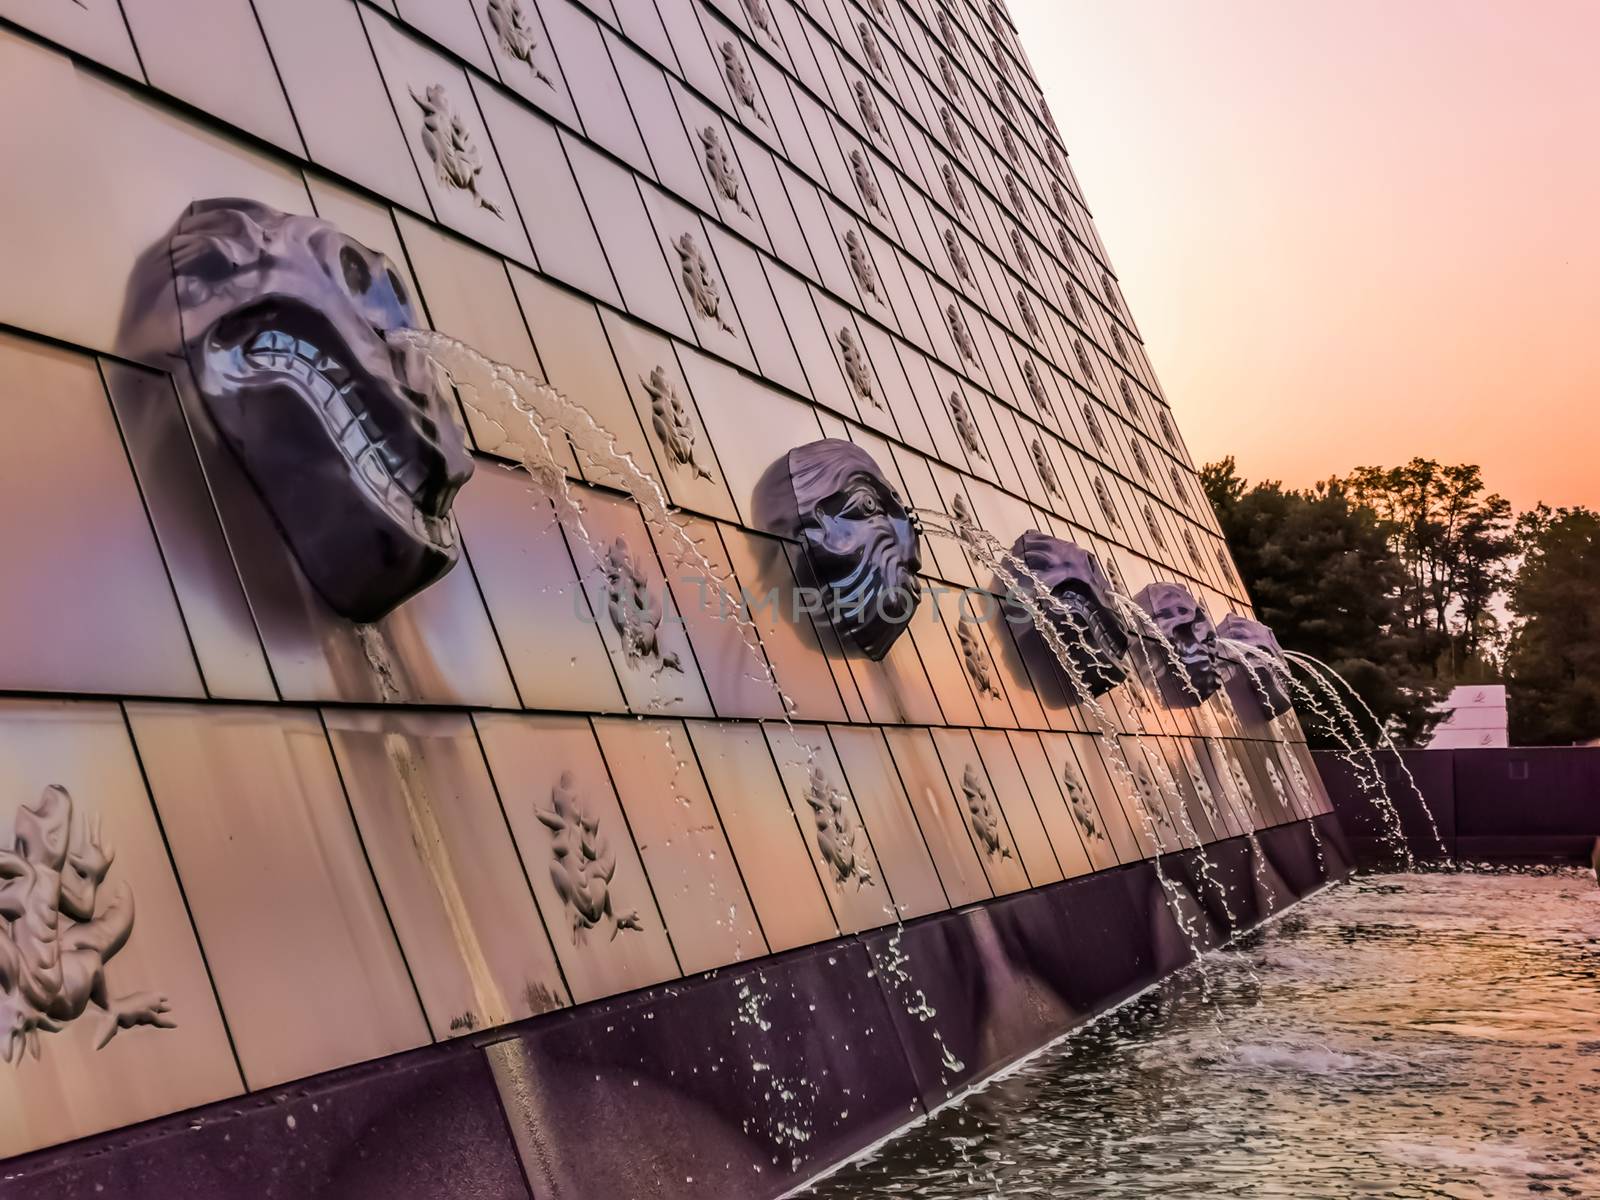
[1419, 1037]
[536, 423]
[1332, 680]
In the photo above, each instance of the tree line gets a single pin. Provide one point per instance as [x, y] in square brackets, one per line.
[1410, 580]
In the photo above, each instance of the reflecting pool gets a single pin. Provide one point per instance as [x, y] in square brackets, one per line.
[1429, 1035]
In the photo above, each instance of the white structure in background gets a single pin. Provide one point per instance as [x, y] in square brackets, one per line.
[1475, 718]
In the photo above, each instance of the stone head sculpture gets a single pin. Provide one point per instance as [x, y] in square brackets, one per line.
[1080, 607]
[860, 544]
[1188, 671]
[1259, 661]
[344, 434]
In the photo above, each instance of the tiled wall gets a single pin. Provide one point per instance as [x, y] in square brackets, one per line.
[345, 843]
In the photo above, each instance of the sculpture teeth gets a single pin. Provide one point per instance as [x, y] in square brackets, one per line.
[393, 478]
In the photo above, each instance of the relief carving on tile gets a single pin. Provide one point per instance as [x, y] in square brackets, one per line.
[952, 83]
[871, 48]
[450, 145]
[966, 426]
[1019, 247]
[861, 267]
[1078, 801]
[1030, 319]
[952, 131]
[1125, 389]
[1014, 193]
[868, 107]
[1008, 143]
[739, 81]
[1275, 779]
[760, 17]
[54, 944]
[836, 831]
[1068, 250]
[1091, 421]
[1178, 485]
[1030, 376]
[1149, 796]
[699, 281]
[1241, 783]
[670, 420]
[953, 189]
[1082, 356]
[1298, 778]
[1006, 102]
[976, 658]
[1109, 290]
[871, 196]
[582, 863]
[961, 518]
[1074, 301]
[1154, 527]
[855, 366]
[635, 610]
[958, 330]
[1047, 471]
[1139, 460]
[982, 814]
[1103, 496]
[719, 165]
[958, 257]
[1202, 789]
[1222, 562]
[517, 33]
[1120, 346]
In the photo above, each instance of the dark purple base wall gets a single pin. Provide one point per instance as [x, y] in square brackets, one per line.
[737, 1084]
[1519, 805]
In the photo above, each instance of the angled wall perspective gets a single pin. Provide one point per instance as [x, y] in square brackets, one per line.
[526, 502]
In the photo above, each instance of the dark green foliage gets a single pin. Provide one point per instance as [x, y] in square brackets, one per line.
[1553, 663]
[1454, 544]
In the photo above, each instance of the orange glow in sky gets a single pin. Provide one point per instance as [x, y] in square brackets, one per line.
[1350, 232]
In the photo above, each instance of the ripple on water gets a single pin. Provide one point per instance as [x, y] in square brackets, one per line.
[1427, 1035]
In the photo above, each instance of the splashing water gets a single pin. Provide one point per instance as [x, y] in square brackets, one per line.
[1050, 616]
[1409, 1036]
[532, 417]
[1332, 680]
[535, 422]
[1368, 777]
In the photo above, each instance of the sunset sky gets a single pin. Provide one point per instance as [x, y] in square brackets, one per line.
[1351, 232]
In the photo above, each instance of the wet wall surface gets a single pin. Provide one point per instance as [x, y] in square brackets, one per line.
[741, 1083]
[286, 836]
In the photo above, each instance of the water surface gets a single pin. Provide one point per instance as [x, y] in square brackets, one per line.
[1400, 1036]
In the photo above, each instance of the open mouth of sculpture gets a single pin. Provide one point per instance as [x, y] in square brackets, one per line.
[1201, 668]
[1099, 646]
[381, 430]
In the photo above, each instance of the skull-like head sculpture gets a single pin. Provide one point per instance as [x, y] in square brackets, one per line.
[1080, 608]
[345, 434]
[1188, 671]
[1260, 662]
[860, 544]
